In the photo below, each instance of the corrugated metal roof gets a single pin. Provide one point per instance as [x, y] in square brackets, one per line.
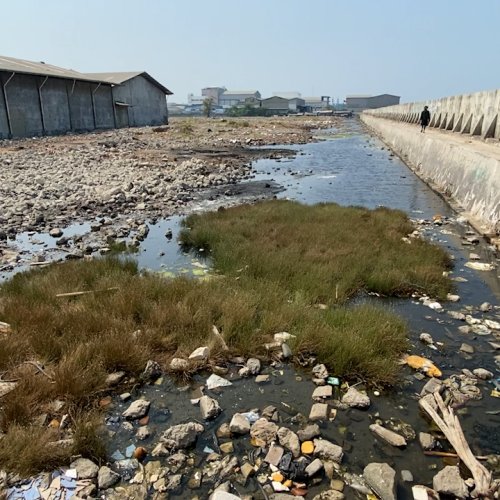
[119, 77]
[43, 69]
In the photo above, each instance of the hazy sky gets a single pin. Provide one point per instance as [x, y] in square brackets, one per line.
[415, 49]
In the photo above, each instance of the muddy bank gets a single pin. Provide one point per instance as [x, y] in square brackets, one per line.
[118, 179]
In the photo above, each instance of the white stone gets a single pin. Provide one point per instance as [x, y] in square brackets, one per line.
[137, 409]
[209, 407]
[381, 479]
[179, 364]
[449, 482]
[355, 399]
[328, 451]
[289, 440]
[239, 424]
[215, 381]
[323, 392]
[388, 436]
[319, 411]
[200, 354]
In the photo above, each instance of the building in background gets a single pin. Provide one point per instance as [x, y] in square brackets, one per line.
[361, 102]
[288, 94]
[230, 98]
[139, 99]
[213, 93]
[319, 103]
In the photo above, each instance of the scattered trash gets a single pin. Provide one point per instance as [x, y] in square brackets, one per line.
[480, 266]
[423, 364]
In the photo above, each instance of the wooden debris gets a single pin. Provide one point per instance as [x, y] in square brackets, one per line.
[447, 454]
[450, 427]
[87, 292]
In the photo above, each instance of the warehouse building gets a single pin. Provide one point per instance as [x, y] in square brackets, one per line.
[361, 102]
[40, 99]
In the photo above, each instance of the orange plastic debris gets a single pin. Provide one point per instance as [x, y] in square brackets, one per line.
[307, 447]
[277, 476]
[423, 364]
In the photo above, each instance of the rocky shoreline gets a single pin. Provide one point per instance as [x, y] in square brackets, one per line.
[119, 180]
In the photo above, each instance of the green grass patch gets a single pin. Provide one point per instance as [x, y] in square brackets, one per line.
[326, 252]
[275, 261]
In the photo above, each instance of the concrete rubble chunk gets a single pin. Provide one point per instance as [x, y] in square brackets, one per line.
[356, 399]
[107, 478]
[215, 381]
[200, 354]
[152, 371]
[253, 365]
[209, 407]
[380, 477]
[137, 409]
[179, 364]
[309, 432]
[223, 495]
[239, 424]
[482, 373]
[319, 411]
[449, 482]
[114, 378]
[289, 440]
[314, 467]
[264, 431]
[329, 495]
[388, 436]
[426, 440]
[274, 455]
[320, 371]
[323, 392]
[85, 468]
[328, 451]
[181, 436]
[432, 385]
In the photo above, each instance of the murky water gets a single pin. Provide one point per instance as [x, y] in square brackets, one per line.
[353, 169]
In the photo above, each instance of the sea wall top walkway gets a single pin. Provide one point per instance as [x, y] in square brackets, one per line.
[475, 114]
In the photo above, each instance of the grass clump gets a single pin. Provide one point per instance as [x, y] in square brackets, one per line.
[276, 262]
[327, 252]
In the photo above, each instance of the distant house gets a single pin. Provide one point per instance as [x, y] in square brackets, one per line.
[138, 98]
[360, 102]
[282, 105]
[213, 93]
[296, 104]
[231, 98]
[316, 103]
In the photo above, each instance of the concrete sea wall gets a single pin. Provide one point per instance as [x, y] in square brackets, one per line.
[464, 168]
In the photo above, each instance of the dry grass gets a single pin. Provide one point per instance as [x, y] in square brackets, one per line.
[277, 260]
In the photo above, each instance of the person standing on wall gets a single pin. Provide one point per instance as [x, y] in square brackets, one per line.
[425, 118]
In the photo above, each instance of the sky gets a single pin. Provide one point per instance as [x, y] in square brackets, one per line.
[415, 49]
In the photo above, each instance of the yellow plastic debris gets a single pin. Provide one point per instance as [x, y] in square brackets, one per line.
[307, 447]
[495, 393]
[423, 364]
[277, 476]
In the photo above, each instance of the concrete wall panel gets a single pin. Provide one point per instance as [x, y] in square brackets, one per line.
[103, 102]
[24, 106]
[55, 106]
[80, 103]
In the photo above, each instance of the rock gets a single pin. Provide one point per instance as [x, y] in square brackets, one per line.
[426, 338]
[239, 424]
[482, 373]
[274, 455]
[152, 371]
[320, 371]
[179, 364]
[433, 385]
[286, 351]
[224, 431]
[182, 435]
[485, 307]
[421, 492]
[56, 232]
[261, 379]
[449, 482]
[253, 365]
[323, 392]
[494, 325]
[468, 349]
[209, 407]
[264, 431]
[227, 447]
[137, 409]
[381, 479]
[200, 354]
[223, 495]
[456, 315]
[407, 476]
[319, 411]
[452, 297]
[289, 440]
[143, 433]
[247, 470]
[125, 396]
[328, 451]
[388, 436]
[85, 468]
[355, 399]
[194, 481]
[244, 372]
[114, 378]
[426, 440]
[309, 432]
[314, 467]
[329, 495]
[215, 381]
[107, 478]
